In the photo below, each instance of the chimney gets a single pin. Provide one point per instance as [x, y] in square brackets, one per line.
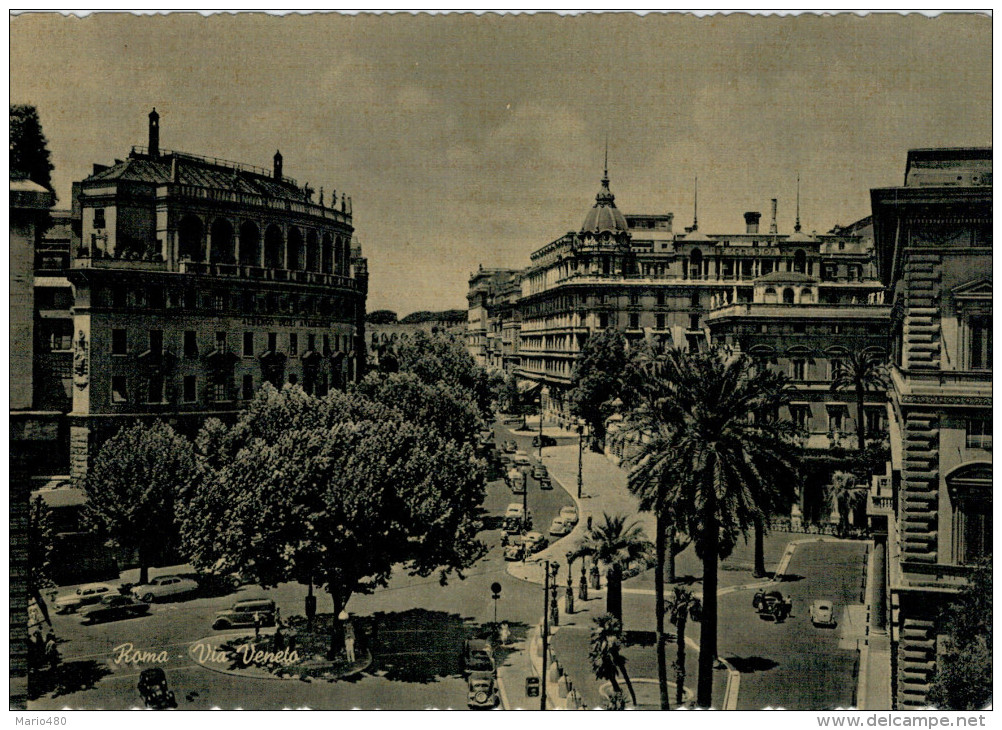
[751, 221]
[153, 148]
[278, 165]
[773, 228]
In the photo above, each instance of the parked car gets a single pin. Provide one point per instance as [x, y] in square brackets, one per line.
[242, 613]
[823, 612]
[535, 541]
[514, 550]
[112, 608]
[547, 440]
[559, 528]
[545, 483]
[516, 480]
[570, 514]
[482, 691]
[521, 459]
[772, 605]
[539, 472]
[515, 510]
[164, 586]
[478, 656]
[509, 446]
[85, 595]
[504, 459]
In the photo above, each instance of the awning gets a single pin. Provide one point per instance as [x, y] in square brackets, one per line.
[525, 386]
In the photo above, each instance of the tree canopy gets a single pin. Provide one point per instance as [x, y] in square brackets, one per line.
[134, 484]
[29, 150]
[337, 491]
[381, 316]
[602, 374]
[435, 358]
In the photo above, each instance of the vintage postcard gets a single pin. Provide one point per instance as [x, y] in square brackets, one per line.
[501, 361]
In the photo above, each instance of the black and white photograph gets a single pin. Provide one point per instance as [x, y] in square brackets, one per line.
[580, 360]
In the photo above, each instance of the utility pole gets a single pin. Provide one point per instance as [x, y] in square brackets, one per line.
[580, 455]
[546, 633]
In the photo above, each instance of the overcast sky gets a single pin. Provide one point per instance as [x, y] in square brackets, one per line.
[466, 140]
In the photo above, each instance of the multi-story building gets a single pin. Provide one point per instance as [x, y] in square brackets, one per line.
[483, 338]
[634, 274]
[194, 281]
[933, 512]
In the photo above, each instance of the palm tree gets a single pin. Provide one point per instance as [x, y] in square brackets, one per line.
[607, 659]
[726, 468]
[858, 370]
[648, 480]
[682, 606]
[616, 544]
[844, 495]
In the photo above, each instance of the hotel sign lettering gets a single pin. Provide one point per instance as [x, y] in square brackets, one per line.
[286, 322]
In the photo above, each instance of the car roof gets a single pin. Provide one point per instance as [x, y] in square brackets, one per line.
[514, 505]
[94, 585]
[478, 643]
[534, 534]
[482, 675]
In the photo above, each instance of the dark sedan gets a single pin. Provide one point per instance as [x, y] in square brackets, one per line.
[113, 608]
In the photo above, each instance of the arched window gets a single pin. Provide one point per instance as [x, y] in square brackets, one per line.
[788, 296]
[805, 296]
[250, 245]
[327, 254]
[770, 295]
[221, 242]
[189, 239]
[970, 487]
[312, 251]
[295, 258]
[274, 248]
[800, 261]
[696, 264]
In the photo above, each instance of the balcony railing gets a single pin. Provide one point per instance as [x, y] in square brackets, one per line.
[231, 197]
[267, 274]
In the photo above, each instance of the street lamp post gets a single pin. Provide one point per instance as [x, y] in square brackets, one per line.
[546, 633]
[581, 428]
[540, 453]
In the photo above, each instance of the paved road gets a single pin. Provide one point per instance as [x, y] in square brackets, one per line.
[420, 629]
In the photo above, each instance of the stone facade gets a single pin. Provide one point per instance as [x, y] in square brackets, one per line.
[933, 238]
[194, 281]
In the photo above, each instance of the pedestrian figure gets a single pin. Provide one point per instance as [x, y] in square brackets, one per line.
[349, 643]
[278, 616]
[589, 523]
[505, 633]
[257, 624]
[278, 640]
[51, 652]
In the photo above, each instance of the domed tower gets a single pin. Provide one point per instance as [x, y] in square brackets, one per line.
[605, 233]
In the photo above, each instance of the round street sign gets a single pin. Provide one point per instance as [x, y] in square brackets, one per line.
[496, 589]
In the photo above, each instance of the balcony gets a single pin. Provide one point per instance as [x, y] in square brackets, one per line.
[250, 200]
[257, 272]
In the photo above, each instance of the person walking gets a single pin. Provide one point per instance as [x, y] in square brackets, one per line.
[257, 624]
[349, 643]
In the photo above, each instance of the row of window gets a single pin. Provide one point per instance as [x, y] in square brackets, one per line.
[151, 389]
[220, 300]
[190, 349]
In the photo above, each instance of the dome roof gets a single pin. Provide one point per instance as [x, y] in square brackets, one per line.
[604, 215]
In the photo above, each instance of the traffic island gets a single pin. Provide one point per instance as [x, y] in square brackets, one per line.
[243, 654]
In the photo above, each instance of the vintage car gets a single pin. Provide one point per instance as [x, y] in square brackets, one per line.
[85, 595]
[545, 483]
[539, 472]
[534, 542]
[514, 550]
[509, 446]
[163, 587]
[546, 440]
[482, 691]
[477, 656]
[772, 606]
[823, 612]
[242, 613]
[559, 527]
[520, 459]
[570, 514]
[112, 608]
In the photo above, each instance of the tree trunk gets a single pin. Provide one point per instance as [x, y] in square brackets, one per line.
[144, 566]
[759, 548]
[614, 591]
[337, 626]
[659, 590]
[621, 663]
[860, 426]
[672, 578]
[708, 626]
[680, 661]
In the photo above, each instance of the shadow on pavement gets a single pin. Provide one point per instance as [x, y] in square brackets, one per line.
[752, 664]
[69, 677]
[640, 638]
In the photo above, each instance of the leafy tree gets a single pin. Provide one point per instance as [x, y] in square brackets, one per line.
[616, 544]
[445, 407]
[134, 485]
[844, 495]
[344, 492]
[29, 151]
[381, 316]
[727, 468]
[597, 379]
[963, 676]
[605, 652]
[437, 358]
[682, 606]
[859, 370]
[40, 545]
